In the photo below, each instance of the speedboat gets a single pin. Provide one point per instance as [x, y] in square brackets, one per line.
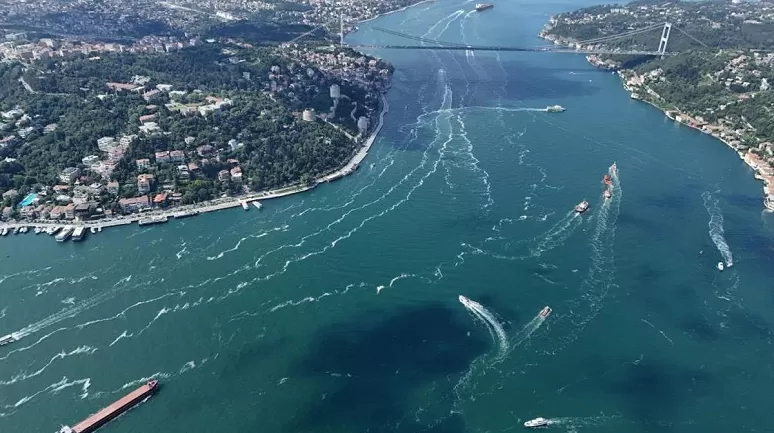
[93, 229]
[545, 312]
[720, 266]
[613, 169]
[607, 193]
[582, 206]
[606, 179]
[537, 422]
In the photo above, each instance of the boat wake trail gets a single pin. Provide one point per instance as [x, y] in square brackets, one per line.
[495, 328]
[526, 332]
[558, 234]
[716, 230]
[74, 310]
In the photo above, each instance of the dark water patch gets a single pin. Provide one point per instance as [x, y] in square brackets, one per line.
[657, 390]
[700, 327]
[748, 325]
[647, 225]
[668, 201]
[388, 361]
[509, 317]
[747, 202]
[250, 356]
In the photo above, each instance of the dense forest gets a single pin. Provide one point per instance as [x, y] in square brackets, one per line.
[260, 131]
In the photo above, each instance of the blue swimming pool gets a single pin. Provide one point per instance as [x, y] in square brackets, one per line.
[28, 200]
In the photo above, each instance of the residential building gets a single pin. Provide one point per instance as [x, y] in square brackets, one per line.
[177, 156]
[224, 176]
[205, 150]
[105, 143]
[144, 183]
[69, 174]
[69, 211]
[82, 210]
[236, 174]
[162, 157]
[143, 163]
[182, 170]
[134, 204]
[113, 187]
[147, 118]
[160, 199]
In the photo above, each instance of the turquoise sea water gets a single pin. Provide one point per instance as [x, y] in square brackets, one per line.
[338, 310]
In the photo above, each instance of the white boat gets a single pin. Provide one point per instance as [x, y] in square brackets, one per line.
[720, 266]
[93, 229]
[555, 108]
[582, 206]
[64, 234]
[769, 202]
[52, 230]
[38, 230]
[79, 233]
[545, 312]
[4, 232]
[257, 204]
[537, 422]
[99, 229]
[24, 229]
[244, 205]
[8, 339]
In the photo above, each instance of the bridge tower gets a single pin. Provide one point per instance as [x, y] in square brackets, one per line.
[662, 45]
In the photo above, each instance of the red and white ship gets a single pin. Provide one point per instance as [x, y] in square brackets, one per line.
[545, 312]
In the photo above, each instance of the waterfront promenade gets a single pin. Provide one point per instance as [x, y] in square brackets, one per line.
[222, 203]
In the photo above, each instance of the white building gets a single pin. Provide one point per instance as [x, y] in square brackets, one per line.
[335, 91]
[308, 115]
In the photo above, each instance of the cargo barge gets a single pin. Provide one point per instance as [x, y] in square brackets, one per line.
[103, 416]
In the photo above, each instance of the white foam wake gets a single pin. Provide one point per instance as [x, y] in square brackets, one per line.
[716, 230]
[495, 328]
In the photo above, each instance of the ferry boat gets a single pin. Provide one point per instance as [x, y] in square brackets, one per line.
[483, 6]
[152, 220]
[720, 266]
[582, 206]
[64, 234]
[545, 311]
[244, 205]
[608, 194]
[79, 233]
[8, 339]
[555, 108]
[257, 204]
[537, 422]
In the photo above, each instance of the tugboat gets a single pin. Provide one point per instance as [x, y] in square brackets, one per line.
[537, 422]
[483, 6]
[545, 311]
[582, 206]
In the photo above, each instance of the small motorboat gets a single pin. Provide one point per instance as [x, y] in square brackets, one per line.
[582, 206]
[606, 179]
[93, 229]
[608, 194]
[720, 266]
[613, 169]
[537, 422]
[545, 312]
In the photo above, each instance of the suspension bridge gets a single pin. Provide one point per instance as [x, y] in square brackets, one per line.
[589, 46]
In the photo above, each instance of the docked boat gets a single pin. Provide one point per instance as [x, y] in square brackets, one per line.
[607, 193]
[79, 233]
[64, 234]
[545, 311]
[4, 232]
[720, 266]
[152, 220]
[244, 205]
[38, 230]
[51, 231]
[555, 108]
[16, 231]
[582, 206]
[24, 229]
[257, 204]
[125, 403]
[93, 229]
[8, 339]
[483, 6]
[537, 422]
[769, 202]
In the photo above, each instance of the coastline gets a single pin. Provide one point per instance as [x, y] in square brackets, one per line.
[392, 12]
[760, 172]
[220, 204]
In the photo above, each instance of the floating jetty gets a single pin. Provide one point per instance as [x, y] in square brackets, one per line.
[103, 416]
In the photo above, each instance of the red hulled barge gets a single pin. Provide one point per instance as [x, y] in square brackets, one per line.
[122, 405]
